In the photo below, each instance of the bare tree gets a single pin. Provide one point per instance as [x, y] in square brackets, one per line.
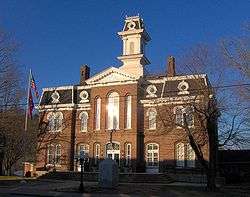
[220, 117]
[11, 95]
[44, 136]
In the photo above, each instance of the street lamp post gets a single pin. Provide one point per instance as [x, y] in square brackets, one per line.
[82, 157]
[2, 145]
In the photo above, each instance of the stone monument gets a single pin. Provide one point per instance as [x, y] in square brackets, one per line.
[108, 174]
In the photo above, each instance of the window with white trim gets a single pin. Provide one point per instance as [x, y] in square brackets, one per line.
[152, 154]
[180, 155]
[113, 111]
[128, 102]
[55, 121]
[84, 148]
[97, 153]
[58, 154]
[189, 113]
[54, 153]
[179, 115]
[98, 114]
[128, 154]
[50, 157]
[151, 113]
[190, 157]
[84, 121]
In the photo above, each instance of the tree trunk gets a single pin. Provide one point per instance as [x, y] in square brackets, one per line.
[213, 147]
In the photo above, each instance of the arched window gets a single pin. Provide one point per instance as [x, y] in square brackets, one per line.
[113, 111]
[151, 113]
[152, 154]
[84, 148]
[128, 102]
[180, 155]
[98, 113]
[55, 121]
[84, 121]
[131, 47]
[97, 149]
[190, 156]
[113, 151]
[128, 154]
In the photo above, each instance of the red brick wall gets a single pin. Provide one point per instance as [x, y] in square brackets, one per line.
[138, 135]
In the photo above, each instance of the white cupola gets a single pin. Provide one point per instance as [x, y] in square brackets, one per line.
[135, 38]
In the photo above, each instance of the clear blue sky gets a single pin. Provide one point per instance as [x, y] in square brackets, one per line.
[58, 36]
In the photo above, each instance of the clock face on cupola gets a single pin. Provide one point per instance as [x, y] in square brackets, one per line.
[135, 38]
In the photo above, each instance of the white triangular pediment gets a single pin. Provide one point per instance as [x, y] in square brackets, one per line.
[110, 75]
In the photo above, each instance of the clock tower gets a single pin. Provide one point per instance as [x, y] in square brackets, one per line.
[135, 38]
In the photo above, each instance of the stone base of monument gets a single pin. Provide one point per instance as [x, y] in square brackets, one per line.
[108, 174]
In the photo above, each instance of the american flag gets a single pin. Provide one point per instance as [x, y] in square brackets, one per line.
[33, 85]
[31, 105]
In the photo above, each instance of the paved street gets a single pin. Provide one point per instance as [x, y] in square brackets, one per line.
[70, 188]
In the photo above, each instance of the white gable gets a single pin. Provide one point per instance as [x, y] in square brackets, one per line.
[110, 75]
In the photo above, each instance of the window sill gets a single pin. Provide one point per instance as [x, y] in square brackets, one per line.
[127, 129]
[52, 165]
[56, 131]
[179, 127]
[151, 129]
[83, 131]
[109, 130]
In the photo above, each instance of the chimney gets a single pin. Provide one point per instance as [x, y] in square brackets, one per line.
[171, 67]
[84, 74]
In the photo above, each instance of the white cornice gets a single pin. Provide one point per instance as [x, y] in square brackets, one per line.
[171, 100]
[175, 78]
[56, 106]
[58, 88]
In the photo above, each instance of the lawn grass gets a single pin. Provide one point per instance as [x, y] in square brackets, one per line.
[10, 178]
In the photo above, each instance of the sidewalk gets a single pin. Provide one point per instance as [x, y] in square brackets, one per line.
[51, 188]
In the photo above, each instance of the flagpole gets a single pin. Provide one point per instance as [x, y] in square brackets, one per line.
[27, 107]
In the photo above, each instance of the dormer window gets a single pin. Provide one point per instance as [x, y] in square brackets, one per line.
[55, 97]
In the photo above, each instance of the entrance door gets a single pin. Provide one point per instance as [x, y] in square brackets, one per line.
[152, 158]
[113, 152]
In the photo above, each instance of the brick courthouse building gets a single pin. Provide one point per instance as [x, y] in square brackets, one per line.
[122, 105]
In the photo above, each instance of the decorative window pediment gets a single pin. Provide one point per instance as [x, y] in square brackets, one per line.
[151, 90]
[183, 87]
[84, 95]
[55, 97]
